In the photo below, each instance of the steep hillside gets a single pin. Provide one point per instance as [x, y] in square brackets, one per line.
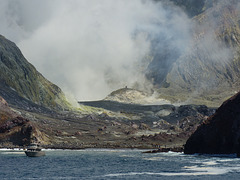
[208, 71]
[22, 85]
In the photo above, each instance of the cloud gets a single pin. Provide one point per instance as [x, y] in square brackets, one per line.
[90, 47]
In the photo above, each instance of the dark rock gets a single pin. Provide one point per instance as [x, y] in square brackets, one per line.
[18, 121]
[143, 126]
[78, 133]
[220, 133]
[15, 130]
[190, 123]
[173, 149]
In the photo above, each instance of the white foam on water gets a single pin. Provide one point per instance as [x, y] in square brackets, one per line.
[154, 158]
[45, 178]
[160, 174]
[210, 163]
[13, 152]
[210, 169]
[131, 174]
[113, 150]
[171, 153]
[229, 160]
[4, 149]
[198, 171]
[14, 149]
[63, 150]
[96, 150]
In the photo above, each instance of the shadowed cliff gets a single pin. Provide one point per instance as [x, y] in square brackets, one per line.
[220, 133]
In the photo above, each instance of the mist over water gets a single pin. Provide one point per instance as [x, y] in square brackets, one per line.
[90, 48]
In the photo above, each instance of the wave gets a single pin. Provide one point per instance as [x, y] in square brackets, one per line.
[97, 150]
[13, 152]
[199, 171]
[13, 149]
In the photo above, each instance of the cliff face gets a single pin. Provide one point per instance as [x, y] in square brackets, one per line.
[207, 72]
[22, 84]
[220, 134]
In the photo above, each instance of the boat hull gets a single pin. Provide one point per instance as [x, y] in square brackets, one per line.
[35, 153]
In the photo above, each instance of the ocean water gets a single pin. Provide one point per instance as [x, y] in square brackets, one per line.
[116, 164]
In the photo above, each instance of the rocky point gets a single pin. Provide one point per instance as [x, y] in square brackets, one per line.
[220, 133]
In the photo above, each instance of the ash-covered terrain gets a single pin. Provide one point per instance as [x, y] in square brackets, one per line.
[34, 109]
[182, 89]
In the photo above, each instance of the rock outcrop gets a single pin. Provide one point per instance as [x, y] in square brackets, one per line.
[16, 130]
[220, 133]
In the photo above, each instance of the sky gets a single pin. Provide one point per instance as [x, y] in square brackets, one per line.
[90, 48]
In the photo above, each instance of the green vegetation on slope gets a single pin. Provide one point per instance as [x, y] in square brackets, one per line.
[18, 75]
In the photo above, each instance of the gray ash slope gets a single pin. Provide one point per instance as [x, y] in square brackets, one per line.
[208, 71]
[169, 113]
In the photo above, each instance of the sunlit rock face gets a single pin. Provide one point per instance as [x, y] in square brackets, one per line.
[21, 84]
[207, 70]
[220, 134]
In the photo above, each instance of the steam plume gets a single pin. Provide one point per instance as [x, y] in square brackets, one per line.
[91, 47]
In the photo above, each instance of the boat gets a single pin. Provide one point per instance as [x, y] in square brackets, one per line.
[34, 150]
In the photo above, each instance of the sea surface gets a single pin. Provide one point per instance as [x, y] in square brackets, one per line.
[116, 164]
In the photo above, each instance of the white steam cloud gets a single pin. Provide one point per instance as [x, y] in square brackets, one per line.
[90, 47]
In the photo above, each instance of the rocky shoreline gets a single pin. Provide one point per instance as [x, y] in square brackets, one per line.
[119, 126]
[144, 150]
[174, 149]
